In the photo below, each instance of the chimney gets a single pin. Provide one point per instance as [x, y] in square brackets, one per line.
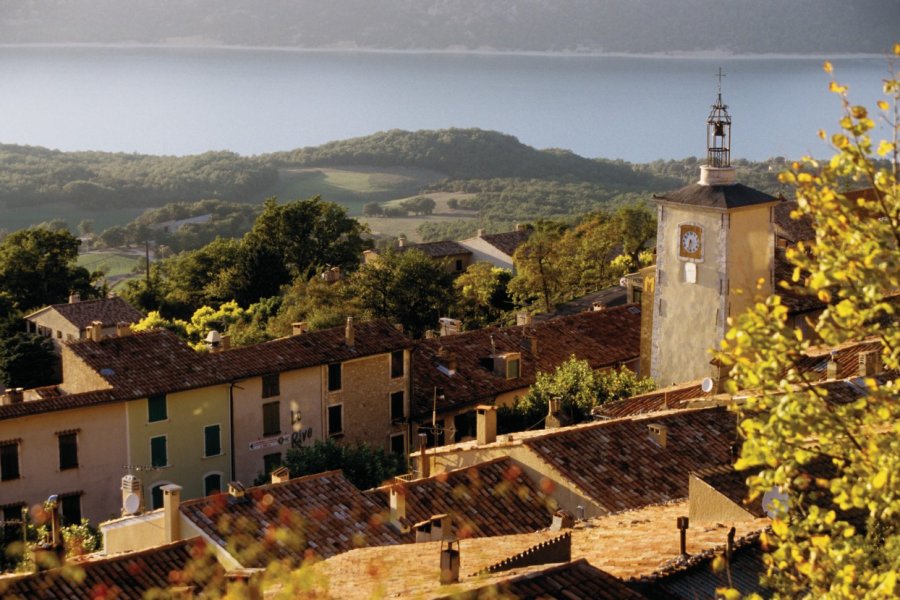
[523, 318]
[300, 327]
[401, 241]
[123, 329]
[831, 370]
[13, 396]
[534, 344]
[398, 505]
[869, 363]
[658, 434]
[348, 332]
[96, 330]
[449, 562]
[213, 341]
[171, 513]
[481, 233]
[74, 298]
[423, 531]
[239, 580]
[236, 489]
[486, 424]
[521, 226]
[424, 465]
[280, 475]
[226, 341]
[682, 524]
[552, 420]
[429, 334]
[440, 527]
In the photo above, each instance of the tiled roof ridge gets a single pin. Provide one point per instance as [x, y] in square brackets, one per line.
[62, 402]
[681, 565]
[443, 474]
[139, 553]
[521, 558]
[85, 301]
[269, 486]
[111, 339]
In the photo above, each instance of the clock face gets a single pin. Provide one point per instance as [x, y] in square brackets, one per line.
[690, 241]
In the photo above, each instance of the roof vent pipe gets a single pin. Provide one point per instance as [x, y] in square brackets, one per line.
[348, 332]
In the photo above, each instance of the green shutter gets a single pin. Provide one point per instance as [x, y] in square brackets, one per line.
[158, 452]
[212, 444]
[156, 408]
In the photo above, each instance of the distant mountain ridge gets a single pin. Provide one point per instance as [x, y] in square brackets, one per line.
[626, 26]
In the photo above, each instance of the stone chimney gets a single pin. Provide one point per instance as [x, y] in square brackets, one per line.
[236, 489]
[521, 226]
[449, 562]
[398, 505]
[523, 317]
[13, 396]
[280, 475]
[486, 424]
[869, 363]
[552, 419]
[401, 241]
[831, 369]
[424, 465]
[171, 512]
[349, 333]
[74, 297]
[299, 328]
[123, 329]
[96, 330]
[226, 341]
[658, 434]
[481, 233]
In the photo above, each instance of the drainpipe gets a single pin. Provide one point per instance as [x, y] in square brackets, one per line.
[231, 427]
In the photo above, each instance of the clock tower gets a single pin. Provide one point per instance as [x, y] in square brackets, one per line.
[715, 250]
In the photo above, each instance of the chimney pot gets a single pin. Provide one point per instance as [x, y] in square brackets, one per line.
[213, 341]
[236, 489]
[398, 505]
[226, 341]
[123, 329]
[280, 475]
[486, 424]
[74, 297]
[401, 241]
[348, 332]
[682, 524]
[659, 434]
[96, 330]
[449, 562]
[300, 327]
[831, 370]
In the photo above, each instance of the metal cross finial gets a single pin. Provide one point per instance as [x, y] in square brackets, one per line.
[720, 76]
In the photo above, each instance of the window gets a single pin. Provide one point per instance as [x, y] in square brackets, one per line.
[156, 408]
[459, 265]
[336, 419]
[334, 377]
[156, 496]
[159, 456]
[12, 512]
[397, 366]
[58, 334]
[398, 444]
[271, 462]
[271, 418]
[397, 406]
[9, 461]
[212, 484]
[212, 444]
[70, 509]
[11, 515]
[270, 385]
[512, 368]
[68, 450]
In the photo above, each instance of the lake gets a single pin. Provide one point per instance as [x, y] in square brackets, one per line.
[186, 101]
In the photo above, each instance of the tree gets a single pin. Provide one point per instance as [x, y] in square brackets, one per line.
[483, 298]
[372, 209]
[86, 227]
[406, 287]
[318, 303]
[577, 387]
[420, 205]
[27, 360]
[538, 274]
[37, 268]
[364, 466]
[789, 421]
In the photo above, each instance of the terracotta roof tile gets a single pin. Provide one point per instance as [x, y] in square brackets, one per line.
[54, 403]
[792, 230]
[733, 485]
[109, 311]
[717, 196]
[127, 576]
[507, 242]
[662, 399]
[577, 580]
[490, 498]
[618, 465]
[605, 338]
[321, 514]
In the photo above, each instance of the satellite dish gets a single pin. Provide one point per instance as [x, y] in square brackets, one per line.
[132, 504]
[706, 385]
[775, 503]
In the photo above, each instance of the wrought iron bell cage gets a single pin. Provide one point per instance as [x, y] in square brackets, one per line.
[718, 135]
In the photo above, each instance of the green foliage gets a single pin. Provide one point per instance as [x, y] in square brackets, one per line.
[578, 389]
[27, 360]
[420, 205]
[406, 287]
[364, 466]
[319, 304]
[37, 268]
[789, 421]
[482, 296]
[373, 209]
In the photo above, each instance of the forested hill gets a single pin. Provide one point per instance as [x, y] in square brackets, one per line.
[461, 154]
[635, 26]
[33, 176]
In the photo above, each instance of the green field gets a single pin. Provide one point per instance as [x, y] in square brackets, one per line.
[352, 187]
[12, 219]
[117, 265]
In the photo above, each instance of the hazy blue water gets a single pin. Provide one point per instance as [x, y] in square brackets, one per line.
[182, 101]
